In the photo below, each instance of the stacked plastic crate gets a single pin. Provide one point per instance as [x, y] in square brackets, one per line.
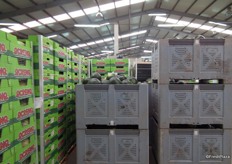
[17, 116]
[101, 66]
[120, 66]
[192, 121]
[112, 124]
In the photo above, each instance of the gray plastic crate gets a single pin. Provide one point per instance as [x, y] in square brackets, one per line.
[193, 59]
[193, 104]
[104, 146]
[192, 146]
[112, 105]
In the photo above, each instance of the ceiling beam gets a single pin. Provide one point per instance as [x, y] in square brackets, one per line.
[35, 8]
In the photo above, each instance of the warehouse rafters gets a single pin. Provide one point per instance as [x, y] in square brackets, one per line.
[211, 19]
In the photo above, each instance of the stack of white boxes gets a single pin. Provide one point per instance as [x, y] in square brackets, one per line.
[192, 121]
[112, 124]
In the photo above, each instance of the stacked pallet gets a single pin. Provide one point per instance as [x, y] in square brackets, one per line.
[17, 115]
[112, 124]
[192, 118]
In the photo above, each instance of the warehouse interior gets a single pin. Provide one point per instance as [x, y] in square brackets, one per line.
[169, 99]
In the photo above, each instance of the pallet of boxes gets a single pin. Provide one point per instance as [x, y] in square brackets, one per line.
[112, 123]
[191, 117]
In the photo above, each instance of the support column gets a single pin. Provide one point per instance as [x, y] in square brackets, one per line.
[115, 39]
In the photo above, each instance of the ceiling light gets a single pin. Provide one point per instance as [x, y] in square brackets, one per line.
[90, 43]
[52, 36]
[93, 53]
[18, 27]
[87, 25]
[170, 20]
[73, 47]
[77, 13]
[108, 39]
[184, 23]
[8, 24]
[61, 17]
[82, 45]
[229, 32]
[150, 40]
[147, 51]
[216, 29]
[136, 1]
[104, 24]
[161, 19]
[91, 10]
[99, 41]
[32, 24]
[47, 20]
[222, 24]
[107, 51]
[205, 27]
[145, 57]
[6, 30]
[122, 3]
[157, 14]
[194, 25]
[133, 34]
[170, 25]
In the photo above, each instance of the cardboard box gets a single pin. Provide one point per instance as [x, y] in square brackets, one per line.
[60, 89]
[48, 76]
[5, 65]
[75, 77]
[61, 128]
[75, 67]
[5, 91]
[50, 135]
[49, 105]
[6, 138]
[22, 109]
[60, 78]
[6, 114]
[61, 142]
[61, 155]
[22, 88]
[60, 102]
[48, 61]
[60, 64]
[7, 157]
[69, 65]
[25, 148]
[50, 150]
[21, 49]
[24, 128]
[60, 52]
[75, 58]
[20, 68]
[29, 160]
[61, 115]
[49, 121]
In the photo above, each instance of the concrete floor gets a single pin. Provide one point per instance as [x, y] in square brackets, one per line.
[71, 159]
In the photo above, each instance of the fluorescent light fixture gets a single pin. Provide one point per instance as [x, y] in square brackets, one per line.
[136, 1]
[221, 24]
[52, 36]
[184, 23]
[87, 25]
[161, 19]
[205, 27]
[229, 32]
[47, 20]
[147, 51]
[145, 57]
[77, 13]
[18, 27]
[194, 25]
[170, 25]
[82, 45]
[133, 34]
[216, 29]
[73, 47]
[107, 6]
[90, 43]
[104, 24]
[62, 17]
[32, 24]
[107, 51]
[99, 41]
[6, 30]
[108, 39]
[122, 3]
[8, 24]
[150, 40]
[170, 20]
[91, 10]
[157, 14]
[93, 53]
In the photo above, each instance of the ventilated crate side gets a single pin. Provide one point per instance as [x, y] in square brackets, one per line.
[193, 104]
[104, 146]
[193, 146]
[112, 105]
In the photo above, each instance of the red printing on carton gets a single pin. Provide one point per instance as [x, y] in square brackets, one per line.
[22, 72]
[24, 113]
[3, 71]
[61, 92]
[46, 63]
[4, 120]
[46, 78]
[120, 70]
[26, 132]
[3, 96]
[61, 66]
[60, 118]
[24, 92]
[119, 63]
[60, 53]
[21, 52]
[2, 48]
[61, 105]
[61, 130]
[27, 152]
[61, 79]
[75, 69]
[4, 144]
